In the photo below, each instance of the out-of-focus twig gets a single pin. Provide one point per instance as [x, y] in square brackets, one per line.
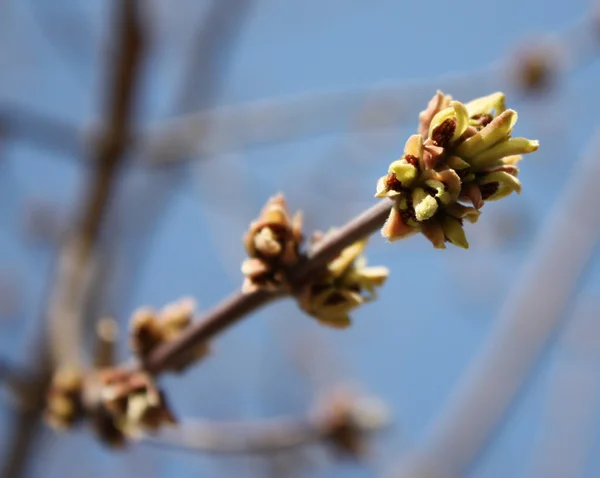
[573, 397]
[144, 205]
[107, 334]
[264, 436]
[68, 295]
[13, 376]
[109, 157]
[53, 134]
[526, 322]
[268, 121]
[340, 419]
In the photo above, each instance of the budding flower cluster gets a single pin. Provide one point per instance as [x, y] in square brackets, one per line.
[150, 328]
[464, 153]
[133, 403]
[342, 286]
[273, 245]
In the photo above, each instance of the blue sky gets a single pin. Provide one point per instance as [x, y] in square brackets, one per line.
[438, 308]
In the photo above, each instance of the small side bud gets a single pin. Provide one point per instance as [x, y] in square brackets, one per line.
[150, 328]
[273, 244]
[345, 284]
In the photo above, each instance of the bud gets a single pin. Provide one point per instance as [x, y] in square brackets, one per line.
[465, 153]
[150, 329]
[403, 171]
[341, 287]
[448, 125]
[497, 130]
[436, 104]
[273, 244]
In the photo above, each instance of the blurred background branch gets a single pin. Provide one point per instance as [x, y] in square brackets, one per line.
[67, 313]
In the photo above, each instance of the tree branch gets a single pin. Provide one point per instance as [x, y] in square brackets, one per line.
[340, 418]
[238, 305]
[68, 298]
[260, 437]
[13, 376]
[21, 122]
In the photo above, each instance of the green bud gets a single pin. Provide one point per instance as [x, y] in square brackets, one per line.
[404, 172]
[509, 147]
[457, 163]
[440, 189]
[507, 183]
[434, 232]
[454, 232]
[486, 104]
[493, 133]
[425, 205]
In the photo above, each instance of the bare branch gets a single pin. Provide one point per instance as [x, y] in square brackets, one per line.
[340, 419]
[261, 437]
[48, 132]
[13, 376]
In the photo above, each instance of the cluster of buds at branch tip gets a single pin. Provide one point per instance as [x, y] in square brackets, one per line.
[273, 245]
[343, 285]
[150, 328]
[464, 153]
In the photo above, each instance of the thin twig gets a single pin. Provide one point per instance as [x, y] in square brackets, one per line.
[238, 305]
[13, 376]
[109, 158]
[51, 133]
[269, 121]
[143, 207]
[68, 296]
[265, 436]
